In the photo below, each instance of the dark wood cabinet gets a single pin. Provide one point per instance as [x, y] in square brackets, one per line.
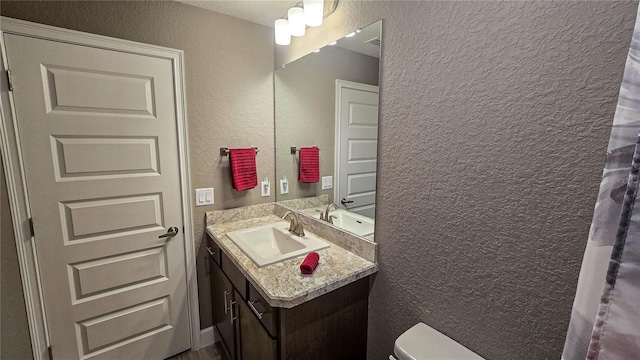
[223, 306]
[330, 327]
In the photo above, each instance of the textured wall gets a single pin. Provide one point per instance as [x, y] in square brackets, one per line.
[305, 93]
[229, 85]
[14, 329]
[494, 124]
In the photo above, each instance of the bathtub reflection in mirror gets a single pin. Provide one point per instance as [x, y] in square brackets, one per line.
[329, 100]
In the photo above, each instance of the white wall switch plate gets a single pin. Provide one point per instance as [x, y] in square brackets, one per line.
[204, 196]
[284, 186]
[266, 187]
[327, 182]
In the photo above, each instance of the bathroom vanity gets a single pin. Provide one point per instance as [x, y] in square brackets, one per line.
[275, 312]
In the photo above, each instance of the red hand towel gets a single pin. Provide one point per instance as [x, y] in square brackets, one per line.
[243, 168]
[309, 263]
[309, 169]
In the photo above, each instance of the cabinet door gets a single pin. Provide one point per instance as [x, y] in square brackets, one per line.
[255, 341]
[222, 294]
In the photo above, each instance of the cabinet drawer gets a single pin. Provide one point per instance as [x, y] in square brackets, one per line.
[214, 250]
[267, 315]
[237, 279]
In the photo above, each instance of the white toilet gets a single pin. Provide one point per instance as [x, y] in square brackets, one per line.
[423, 342]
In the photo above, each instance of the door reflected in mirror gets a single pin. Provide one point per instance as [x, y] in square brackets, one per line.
[329, 100]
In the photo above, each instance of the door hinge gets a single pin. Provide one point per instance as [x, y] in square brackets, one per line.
[50, 353]
[33, 232]
[9, 80]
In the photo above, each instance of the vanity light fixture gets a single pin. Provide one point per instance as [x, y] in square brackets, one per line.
[283, 32]
[333, 43]
[351, 34]
[308, 13]
[296, 21]
[316, 50]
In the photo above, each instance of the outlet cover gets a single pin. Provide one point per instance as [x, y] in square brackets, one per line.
[204, 196]
[266, 187]
[327, 182]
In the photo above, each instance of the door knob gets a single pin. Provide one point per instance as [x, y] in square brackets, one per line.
[345, 201]
[172, 231]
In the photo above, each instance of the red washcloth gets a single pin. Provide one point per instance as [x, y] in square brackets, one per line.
[244, 175]
[309, 171]
[309, 263]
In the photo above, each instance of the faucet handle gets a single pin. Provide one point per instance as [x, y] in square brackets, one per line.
[321, 214]
[331, 217]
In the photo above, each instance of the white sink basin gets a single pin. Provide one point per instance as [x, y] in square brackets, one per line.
[352, 222]
[269, 244]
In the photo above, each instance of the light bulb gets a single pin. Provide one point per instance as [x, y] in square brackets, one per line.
[313, 12]
[283, 33]
[296, 21]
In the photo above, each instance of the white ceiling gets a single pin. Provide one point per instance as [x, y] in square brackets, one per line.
[263, 12]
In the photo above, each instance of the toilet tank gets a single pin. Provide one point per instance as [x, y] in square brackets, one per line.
[423, 342]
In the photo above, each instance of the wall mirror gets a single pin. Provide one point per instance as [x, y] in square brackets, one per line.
[329, 99]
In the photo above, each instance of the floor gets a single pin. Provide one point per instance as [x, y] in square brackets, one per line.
[209, 353]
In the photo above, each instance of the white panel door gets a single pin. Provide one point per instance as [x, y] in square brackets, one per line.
[98, 134]
[357, 138]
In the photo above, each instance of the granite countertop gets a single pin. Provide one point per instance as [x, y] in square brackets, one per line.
[282, 284]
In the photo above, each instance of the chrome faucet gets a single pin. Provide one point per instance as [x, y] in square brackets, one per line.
[295, 227]
[329, 218]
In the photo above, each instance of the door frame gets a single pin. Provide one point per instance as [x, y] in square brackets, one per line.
[16, 178]
[340, 85]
